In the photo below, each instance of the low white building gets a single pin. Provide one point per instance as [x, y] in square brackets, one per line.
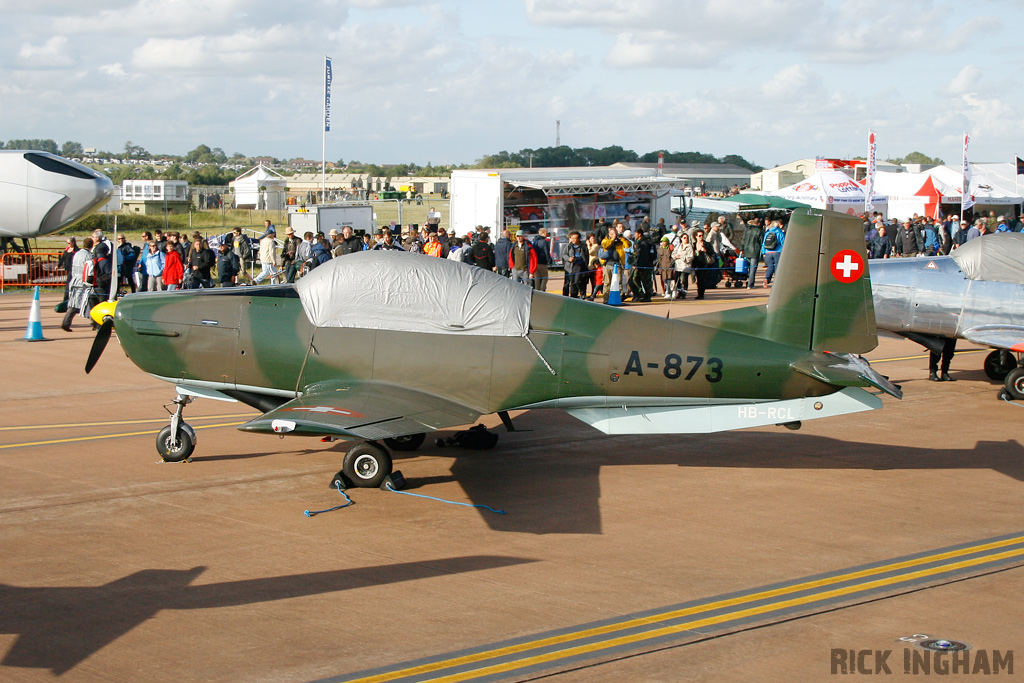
[154, 197]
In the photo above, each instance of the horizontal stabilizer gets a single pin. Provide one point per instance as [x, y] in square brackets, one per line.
[702, 419]
[846, 370]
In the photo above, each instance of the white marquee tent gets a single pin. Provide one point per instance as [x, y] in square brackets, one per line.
[260, 188]
[832, 190]
[991, 184]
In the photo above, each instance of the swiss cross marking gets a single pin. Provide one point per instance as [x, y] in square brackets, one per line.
[847, 266]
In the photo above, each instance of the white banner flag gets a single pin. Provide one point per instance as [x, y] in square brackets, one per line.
[869, 185]
[966, 200]
[327, 94]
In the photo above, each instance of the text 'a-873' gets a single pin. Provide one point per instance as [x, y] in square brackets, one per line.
[675, 366]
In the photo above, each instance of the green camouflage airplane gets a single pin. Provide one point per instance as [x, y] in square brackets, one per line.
[385, 346]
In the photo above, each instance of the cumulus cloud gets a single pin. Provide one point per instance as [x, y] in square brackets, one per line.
[423, 80]
[699, 33]
[964, 82]
[52, 54]
[116, 70]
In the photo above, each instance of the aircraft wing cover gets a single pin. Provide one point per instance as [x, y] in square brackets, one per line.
[998, 336]
[998, 257]
[388, 290]
[364, 409]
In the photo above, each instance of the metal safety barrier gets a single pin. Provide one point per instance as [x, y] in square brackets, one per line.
[41, 268]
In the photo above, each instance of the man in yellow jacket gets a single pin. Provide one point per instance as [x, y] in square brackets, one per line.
[612, 253]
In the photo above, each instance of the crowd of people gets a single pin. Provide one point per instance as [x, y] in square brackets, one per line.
[923, 236]
[643, 259]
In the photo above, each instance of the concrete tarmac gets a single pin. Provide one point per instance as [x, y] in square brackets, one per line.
[116, 567]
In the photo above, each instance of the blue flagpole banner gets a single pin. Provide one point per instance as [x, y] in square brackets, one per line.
[1020, 166]
[327, 95]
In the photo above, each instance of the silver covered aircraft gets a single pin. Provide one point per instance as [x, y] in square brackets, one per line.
[976, 293]
[42, 193]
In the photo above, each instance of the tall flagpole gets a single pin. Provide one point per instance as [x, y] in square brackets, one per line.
[327, 127]
[869, 190]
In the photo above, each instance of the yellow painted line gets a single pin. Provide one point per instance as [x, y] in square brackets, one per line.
[123, 422]
[703, 608]
[710, 621]
[925, 355]
[109, 436]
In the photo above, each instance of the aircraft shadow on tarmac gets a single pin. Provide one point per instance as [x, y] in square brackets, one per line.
[59, 627]
[557, 490]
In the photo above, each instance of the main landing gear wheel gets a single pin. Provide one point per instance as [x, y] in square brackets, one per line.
[366, 465]
[998, 365]
[409, 442]
[176, 450]
[1015, 384]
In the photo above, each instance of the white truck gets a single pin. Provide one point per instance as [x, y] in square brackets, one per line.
[323, 218]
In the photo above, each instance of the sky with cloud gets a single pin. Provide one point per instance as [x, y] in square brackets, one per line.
[451, 81]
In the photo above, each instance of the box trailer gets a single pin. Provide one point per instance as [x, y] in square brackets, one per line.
[325, 217]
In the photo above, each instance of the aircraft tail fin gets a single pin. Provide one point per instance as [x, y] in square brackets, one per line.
[821, 298]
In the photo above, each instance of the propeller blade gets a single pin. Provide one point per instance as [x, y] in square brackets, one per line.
[98, 344]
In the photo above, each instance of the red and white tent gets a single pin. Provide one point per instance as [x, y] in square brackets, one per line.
[832, 190]
[911, 193]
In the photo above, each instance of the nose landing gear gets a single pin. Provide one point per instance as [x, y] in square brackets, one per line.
[176, 441]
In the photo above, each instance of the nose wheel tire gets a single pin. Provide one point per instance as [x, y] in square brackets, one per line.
[1015, 384]
[409, 442]
[366, 465]
[176, 452]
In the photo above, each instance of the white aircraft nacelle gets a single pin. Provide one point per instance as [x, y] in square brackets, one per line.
[41, 193]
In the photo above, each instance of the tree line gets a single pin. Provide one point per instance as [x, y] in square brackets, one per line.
[547, 157]
[201, 166]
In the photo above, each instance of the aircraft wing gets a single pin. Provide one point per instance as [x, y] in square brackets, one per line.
[362, 409]
[1009, 337]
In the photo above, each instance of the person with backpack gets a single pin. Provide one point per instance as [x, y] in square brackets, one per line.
[611, 253]
[100, 276]
[228, 266]
[542, 249]
[78, 289]
[750, 248]
[321, 252]
[126, 259]
[771, 249]
[242, 248]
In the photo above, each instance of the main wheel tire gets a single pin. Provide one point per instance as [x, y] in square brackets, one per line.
[409, 442]
[1015, 384]
[366, 465]
[996, 367]
[186, 443]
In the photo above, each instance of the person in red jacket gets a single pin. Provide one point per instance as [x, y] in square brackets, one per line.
[522, 260]
[173, 270]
